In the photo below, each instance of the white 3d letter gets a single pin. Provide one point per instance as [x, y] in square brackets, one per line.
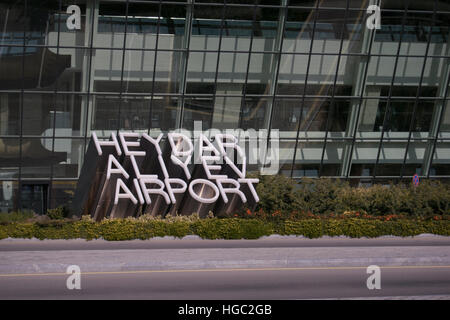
[118, 169]
[250, 183]
[159, 190]
[126, 144]
[200, 199]
[221, 141]
[177, 154]
[127, 195]
[224, 191]
[171, 191]
[114, 142]
[208, 148]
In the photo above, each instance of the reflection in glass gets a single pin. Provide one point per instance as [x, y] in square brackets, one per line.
[8, 195]
[332, 158]
[441, 160]
[9, 158]
[37, 157]
[9, 114]
[445, 122]
[317, 112]
[414, 158]
[71, 165]
[62, 192]
[34, 197]
[307, 159]
[286, 156]
[253, 113]
[400, 112]
[43, 112]
[198, 109]
[400, 115]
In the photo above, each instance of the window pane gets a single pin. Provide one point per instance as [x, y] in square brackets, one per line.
[441, 160]
[332, 159]
[307, 160]
[199, 109]
[8, 195]
[10, 113]
[254, 113]
[71, 165]
[445, 122]
[9, 157]
[62, 193]
[141, 25]
[37, 157]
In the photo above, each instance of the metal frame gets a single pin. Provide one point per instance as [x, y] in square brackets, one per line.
[388, 105]
[416, 102]
[359, 90]
[331, 107]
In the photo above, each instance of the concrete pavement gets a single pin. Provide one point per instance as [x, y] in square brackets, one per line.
[100, 256]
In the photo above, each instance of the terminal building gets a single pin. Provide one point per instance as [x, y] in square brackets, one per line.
[349, 101]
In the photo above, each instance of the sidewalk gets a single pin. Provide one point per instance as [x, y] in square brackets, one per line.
[53, 256]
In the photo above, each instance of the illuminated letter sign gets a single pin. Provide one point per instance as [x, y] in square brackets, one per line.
[135, 174]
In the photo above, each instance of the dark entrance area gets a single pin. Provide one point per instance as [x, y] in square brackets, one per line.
[34, 197]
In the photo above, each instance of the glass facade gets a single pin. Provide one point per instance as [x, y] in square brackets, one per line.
[365, 105]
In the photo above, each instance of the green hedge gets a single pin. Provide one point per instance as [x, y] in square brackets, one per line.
[325, 196]
[18, 216]
[214, 228]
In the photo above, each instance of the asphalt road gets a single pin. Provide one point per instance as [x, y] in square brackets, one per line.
[273, 268]
[308, 283]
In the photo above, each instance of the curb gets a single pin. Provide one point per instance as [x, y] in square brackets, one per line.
[41, 268]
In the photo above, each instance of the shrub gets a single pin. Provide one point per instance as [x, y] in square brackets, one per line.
[57, 213]
[284, 198]
[3, 233]
[277, 193]
[18, 216]
[309, 228]
[231, 228]
[215, 228]
[320, 195]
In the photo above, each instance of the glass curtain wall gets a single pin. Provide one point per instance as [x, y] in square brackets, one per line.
[365, 105]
